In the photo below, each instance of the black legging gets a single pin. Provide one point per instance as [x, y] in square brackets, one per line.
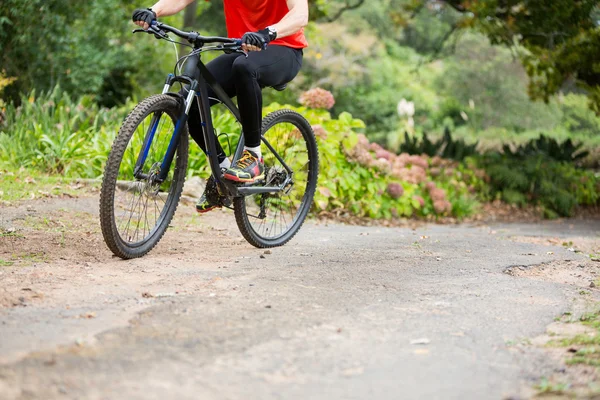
[243, 77]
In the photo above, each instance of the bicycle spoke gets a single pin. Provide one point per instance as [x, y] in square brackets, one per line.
[281, 209]
[133, 206]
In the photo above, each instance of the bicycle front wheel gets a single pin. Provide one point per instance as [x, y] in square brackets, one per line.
[137, 207]
[292, 161]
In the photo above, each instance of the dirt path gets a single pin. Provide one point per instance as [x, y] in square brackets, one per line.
[340, 312]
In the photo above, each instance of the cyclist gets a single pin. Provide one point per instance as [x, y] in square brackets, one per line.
[272, 33]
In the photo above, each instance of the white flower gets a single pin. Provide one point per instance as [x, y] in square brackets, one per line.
[406, 108]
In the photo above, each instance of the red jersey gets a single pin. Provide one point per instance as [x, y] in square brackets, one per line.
[243, 16]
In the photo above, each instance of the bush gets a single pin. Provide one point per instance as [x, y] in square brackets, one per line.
[446, 147]
[577, 116]
[54, 134]
[549, 147]
[559, 187]
[361, 178]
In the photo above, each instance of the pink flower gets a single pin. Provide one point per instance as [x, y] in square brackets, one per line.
[419, 161]
[438, 194]
[317, 98]
[383, 153]
[442, 206]
[419, 175]
[362, 140]
[436, 161]
[319, 131]
[395, 190]
[382, 164]
[375, 146]
[404, 157]
[420, 200]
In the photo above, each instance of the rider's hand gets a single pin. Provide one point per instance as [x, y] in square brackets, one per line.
[256, 41]
[143, 17]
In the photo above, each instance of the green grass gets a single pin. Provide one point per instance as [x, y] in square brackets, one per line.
[590, 353]
[22, 184]
[547, 387]
[4, 263]
[10, 234]
[584, 349]
[30, 257]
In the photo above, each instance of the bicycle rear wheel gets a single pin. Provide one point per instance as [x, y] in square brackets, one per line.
[272, 219]
[135, 212]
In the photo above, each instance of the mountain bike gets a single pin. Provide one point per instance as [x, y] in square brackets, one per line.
[147, 164]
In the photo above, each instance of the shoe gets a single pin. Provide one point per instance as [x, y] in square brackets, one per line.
[210, 199]
[249, 168]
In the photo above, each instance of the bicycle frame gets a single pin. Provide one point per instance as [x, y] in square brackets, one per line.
[198, 78]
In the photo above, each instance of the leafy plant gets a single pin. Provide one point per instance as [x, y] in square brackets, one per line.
[446, 147]
[557, 186]
[550, 147]
[412, 145]
[52, 133]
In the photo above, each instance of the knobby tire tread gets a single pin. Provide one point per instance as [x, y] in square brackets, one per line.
[241, 216]
[170, 106]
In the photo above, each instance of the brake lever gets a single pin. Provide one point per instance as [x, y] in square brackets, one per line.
[158, 33]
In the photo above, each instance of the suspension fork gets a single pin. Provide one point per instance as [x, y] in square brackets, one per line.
[143, 155]
[170, 154]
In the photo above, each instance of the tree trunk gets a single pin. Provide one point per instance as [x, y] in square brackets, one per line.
[189, 20]
[189, 16]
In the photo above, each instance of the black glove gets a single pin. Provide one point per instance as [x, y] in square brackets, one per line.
[260, 39]
[144, 14]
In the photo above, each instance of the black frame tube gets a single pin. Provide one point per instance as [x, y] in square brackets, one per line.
[199, 78]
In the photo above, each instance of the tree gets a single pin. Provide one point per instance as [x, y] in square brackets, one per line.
[330, 10]
[557, 41]
[69, 43]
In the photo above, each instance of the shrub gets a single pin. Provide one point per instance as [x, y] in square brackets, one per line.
[559, 187]
[577, 116]
[317, 98]
[362, 178]
[446, 147]
[549, 147]
[54, 134]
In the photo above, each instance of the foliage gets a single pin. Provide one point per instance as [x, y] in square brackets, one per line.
[26, 184]
[577, 118]
[70, 43]
[374, 183]
[561, 39]
[487, 88]
[55, 134]
[412, 145]
[361, 178]
[549, 147]
[446, 146]
[557, 186]
[317, 98]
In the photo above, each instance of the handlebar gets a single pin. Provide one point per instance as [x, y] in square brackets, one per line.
[159, 29]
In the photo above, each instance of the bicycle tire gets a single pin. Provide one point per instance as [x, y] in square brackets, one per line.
[120, 246]
[242, 216]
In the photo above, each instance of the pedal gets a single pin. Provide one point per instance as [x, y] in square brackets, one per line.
[258, 182]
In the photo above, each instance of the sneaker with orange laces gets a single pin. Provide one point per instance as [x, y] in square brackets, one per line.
[249, 168]
[211, 198]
